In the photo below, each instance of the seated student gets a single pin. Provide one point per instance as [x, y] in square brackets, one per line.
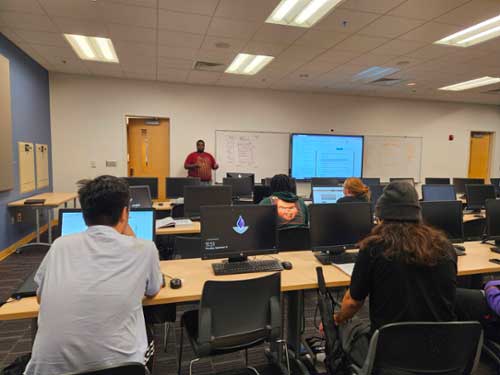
[91, 286]
[355, 191]
[291, 209]
[407, 269]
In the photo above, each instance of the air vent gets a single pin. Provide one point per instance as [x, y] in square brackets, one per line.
[386, 81]
[492, 92]
[208, 66]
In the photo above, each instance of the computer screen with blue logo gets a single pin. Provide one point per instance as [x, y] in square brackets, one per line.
[237, 231]
[327, 194]
[141, 221]
[324, 155]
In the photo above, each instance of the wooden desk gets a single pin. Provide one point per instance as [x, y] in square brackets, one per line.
[162, 206]
[194, 273]
[52, 200]
[195, 228]
[476, 216]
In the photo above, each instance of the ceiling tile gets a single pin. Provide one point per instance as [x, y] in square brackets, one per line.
[27, 21]
[426, 9]
[232, 28]
[369, 59]
[138, 64]
[204, 7]
[30, 51]
[139, 3]
[232, 80]
[234, 44]
[316, 67]
[255, 10]
[271, 33]
[79, 9]
[472, 12]
[398, 47]
[70, 68]
[378, 6]
[81, 27]
[180, 39]
[204, 78]
[177, 52]
[191, 23]
[432, 51]
[11, 35]
[390, 27]
[430, 32]
[301, 53]
[27, 6]
[268, 49]
[175, 64]
[346, 21]
[55, 55]
[360, 43]
[172, 75]
[124, 49]
[128, 33]
[320, 38]
[337, 56]
[105, 69]
[216, 56]
[41, 37]
[150, 76]
[129, 15]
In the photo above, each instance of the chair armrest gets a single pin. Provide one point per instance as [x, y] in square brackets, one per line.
[275, 317]
[205, 326]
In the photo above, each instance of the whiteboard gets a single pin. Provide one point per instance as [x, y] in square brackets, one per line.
[262, 153]
[392, 156]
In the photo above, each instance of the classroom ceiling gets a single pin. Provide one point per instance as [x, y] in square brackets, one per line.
[162, 39]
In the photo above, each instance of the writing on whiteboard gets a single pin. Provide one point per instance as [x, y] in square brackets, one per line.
[240, 150]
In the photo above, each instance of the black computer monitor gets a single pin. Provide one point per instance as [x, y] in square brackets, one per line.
[197, 196]
[446, 216]
[242, 187]
[375, 192]
[369, 181]
[460, 183]
[236, 232]
[337, 227]
[141, 220]
[175, 185]
[410, 180]
[140, 197]
[325, 181]
[493, 219]
[152, 182]
[477, 194]
[327, 194]
[266, 181]
[241, 175]
[438, 193]
[437, 181]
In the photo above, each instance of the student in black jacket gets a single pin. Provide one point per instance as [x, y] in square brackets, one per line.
[355, 191]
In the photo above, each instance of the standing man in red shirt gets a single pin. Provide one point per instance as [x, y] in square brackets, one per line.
[200, 163]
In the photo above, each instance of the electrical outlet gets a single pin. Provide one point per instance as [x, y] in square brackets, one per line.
[111, 163]
[93, 164]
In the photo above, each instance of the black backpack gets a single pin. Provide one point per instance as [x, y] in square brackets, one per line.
[18, 366]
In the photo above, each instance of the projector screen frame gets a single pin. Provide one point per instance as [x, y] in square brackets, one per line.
[324, 135]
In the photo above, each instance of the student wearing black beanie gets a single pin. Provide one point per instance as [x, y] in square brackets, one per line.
[407, 268]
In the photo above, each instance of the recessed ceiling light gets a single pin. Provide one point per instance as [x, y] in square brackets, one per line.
[245, 63]
[301, 13]
[92, 48]
[484, 81]
[374, 73]
[479, 33]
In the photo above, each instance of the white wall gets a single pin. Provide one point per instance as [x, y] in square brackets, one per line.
[88, 121]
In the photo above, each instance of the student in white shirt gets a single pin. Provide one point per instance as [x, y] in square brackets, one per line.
[91, 286]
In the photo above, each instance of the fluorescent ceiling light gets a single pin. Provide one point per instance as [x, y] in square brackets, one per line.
[92, 48]
[245, 63]
[479, 33]
[374, 73]
[301, 13]
[484, 81]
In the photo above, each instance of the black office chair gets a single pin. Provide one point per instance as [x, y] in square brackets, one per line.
[128, 368]
[294, 239]
[424, 348]
[177, 211]
[492, 349]
[186, 247]
[260, 192]
[234, 316]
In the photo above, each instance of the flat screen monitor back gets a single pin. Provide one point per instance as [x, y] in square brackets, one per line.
[446, 216]
[241, 175]
[460, 183]
[477, 195]
[242, 187]
[437, 181]
[197, 196]
[438, 193]
[493, 219]
[175, 185]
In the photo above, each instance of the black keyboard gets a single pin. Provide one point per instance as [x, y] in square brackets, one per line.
[246, 267]
[343, 258]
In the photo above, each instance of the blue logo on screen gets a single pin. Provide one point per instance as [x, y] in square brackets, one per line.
[240, 227]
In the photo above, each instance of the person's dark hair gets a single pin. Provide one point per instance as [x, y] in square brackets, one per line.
[102, 199]
[283, 183]
[200, 140]
[409, 242]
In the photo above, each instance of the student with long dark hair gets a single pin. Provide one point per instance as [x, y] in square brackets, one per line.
[407, 268]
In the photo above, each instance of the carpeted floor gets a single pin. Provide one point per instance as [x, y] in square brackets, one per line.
[15, 336]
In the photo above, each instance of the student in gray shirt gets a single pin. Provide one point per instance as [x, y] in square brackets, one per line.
[91, 286]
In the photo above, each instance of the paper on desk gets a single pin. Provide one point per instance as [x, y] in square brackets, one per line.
[170, 222]
[347, 268]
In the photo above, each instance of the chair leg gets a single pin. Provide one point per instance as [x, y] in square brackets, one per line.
[191, 365]
[166, 331]
[180, 350]
[285, 346]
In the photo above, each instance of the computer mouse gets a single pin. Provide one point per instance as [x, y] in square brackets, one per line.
[175, 283]
[459, 247]
[287, 265]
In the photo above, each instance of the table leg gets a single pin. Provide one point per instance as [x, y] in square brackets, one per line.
[74, 203]
[34, 329]
[37, 218]
[295, 319]
[49, 218]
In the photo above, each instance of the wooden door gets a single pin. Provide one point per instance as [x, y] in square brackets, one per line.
[480, 153]
[149, 150]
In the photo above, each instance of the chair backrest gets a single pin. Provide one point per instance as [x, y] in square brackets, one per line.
[129, 368]
[425, 348]
[294, 239]
[260, 192]
[177, 210]
[187, 247]
[238, 313]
